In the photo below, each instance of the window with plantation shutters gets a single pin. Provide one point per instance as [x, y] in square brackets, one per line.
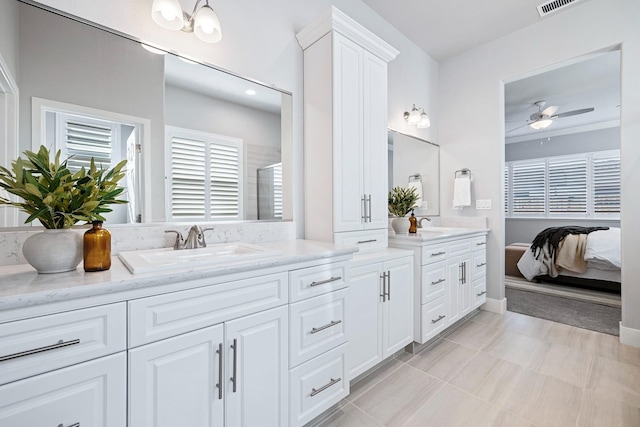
[577, 186]
[205, 176]
[81, 138]
[606, 183]
[568, 186]
[528, 183]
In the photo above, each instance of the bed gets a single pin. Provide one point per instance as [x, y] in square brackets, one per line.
[585, 260]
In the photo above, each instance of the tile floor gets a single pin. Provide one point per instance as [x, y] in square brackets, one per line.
[502, 370]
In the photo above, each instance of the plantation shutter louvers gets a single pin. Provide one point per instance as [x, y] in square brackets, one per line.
[188, 178]
[224, 175]
[568, 186]
[86, 140]
[528, 187]
[606, 183]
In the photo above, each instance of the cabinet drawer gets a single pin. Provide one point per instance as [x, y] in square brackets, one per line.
[478, 243]
[88, 394]
[459, 247]
[479, 264]
[316, 325]
[434, 253]
[366, 241]
[434, 318]
[313, 281]
[317, 385]
[33, 346]
[479, 292]
[155, 318]
[434, 281]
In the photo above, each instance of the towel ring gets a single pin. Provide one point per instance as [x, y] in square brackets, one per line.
[416, 177]
[462, 172]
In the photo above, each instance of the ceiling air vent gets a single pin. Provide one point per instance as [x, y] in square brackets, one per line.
[553, 6]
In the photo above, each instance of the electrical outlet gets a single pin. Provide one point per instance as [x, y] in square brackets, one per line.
[483, 204]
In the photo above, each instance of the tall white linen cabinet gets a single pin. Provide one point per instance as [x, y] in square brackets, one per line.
[345, 132]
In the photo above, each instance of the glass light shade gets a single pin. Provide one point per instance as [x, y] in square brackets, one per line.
[424, 122]
[167, 14]
[541, 124]
[414, 117]
[206, 25]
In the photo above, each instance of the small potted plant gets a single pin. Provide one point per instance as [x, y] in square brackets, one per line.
[58, 198]
[401, 202]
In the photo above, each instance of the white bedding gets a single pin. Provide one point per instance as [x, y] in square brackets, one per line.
[602, 253]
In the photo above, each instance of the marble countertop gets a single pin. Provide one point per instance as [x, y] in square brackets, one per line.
[435, 234]
[21, 286]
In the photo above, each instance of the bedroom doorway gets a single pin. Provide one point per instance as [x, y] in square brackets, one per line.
[562, 169]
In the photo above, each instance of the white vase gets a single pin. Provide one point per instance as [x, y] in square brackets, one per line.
[400, 225]
[53, 251]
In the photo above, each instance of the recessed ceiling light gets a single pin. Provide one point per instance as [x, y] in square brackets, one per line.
[153, 49]
[250, 92]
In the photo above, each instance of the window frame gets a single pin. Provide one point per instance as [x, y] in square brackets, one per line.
[589, 182]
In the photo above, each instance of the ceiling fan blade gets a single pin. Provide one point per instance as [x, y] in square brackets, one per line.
[573, 113]
[549, 111]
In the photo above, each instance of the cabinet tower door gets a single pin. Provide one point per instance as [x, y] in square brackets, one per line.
[397, 317]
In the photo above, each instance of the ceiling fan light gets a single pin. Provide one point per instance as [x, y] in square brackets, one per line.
[167, 14]
[541, 124]
[206, 25]
[424, 122]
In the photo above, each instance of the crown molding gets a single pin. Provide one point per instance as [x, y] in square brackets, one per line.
[335, 20]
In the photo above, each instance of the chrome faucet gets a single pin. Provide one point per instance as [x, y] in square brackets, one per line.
[195, 238]
[422, 219]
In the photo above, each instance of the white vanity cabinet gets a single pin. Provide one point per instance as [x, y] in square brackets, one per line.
[450, 278]
[345, 85]
[380, 316]
[232, 374]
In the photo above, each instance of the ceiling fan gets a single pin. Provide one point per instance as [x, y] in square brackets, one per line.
[542, 119]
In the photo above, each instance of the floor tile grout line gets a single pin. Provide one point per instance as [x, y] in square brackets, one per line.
[440, 387]
[379, 380]
[368, 415]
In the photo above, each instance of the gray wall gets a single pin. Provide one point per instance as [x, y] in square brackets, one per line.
[524, 230]
[582, 142]
[66, 61]
[259, 130]
[9, 35]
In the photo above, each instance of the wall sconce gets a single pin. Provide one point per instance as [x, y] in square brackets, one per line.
[417, 118]
[203, 22]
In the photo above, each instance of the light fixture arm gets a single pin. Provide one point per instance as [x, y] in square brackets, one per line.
[190, 19]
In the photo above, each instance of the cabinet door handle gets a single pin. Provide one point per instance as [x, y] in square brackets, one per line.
[328, 325]
[461, 279]
[324, 387]
[442, 316]
[324, 282]
[363, 215]
[59, 344]
[70, 425]
[464, 271]
[369, 207]
[481, 264]
[481, 293]
[220, 372]
[437, 281]
[388, 285]
[384, 287]
[367, 241]
[438, 253]
[234, 378]
[481, 243]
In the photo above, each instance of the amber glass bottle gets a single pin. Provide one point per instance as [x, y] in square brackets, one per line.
[97, 248]
[413, 228]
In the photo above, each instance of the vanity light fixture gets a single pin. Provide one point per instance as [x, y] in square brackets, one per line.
[417, 117]
[203, 21]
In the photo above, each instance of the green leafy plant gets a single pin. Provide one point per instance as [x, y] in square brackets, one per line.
[402, 201]
[54, 195]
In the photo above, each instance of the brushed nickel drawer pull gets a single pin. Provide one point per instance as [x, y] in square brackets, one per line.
[437, 281]
[220, 371]
[367, 241]
[438, 253]
[481, 243]
[59, 344]
[322, 282]
[234, 378]
[481, 264]
[442, 316]
[328, 325]
[481, 293]
[324, 387]
[71, 425]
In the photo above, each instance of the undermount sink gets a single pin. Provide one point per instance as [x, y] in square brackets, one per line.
[164, 259]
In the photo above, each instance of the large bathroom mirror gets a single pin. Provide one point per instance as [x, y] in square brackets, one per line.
[415, 162]
[202, 143]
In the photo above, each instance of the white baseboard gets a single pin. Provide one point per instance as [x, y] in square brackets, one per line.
[495, 305]
[629, 336]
